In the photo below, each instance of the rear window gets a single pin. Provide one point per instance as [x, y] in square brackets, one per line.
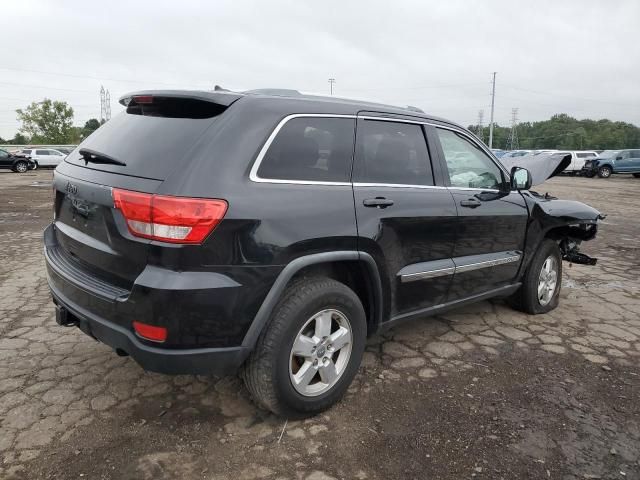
[310, 149]
[392, 153]
[153, 140]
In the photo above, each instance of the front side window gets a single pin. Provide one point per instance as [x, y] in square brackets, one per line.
[392, 153]
[311, 149]
[3, 154]
[468, 165]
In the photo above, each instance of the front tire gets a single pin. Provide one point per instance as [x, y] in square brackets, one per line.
[636, 175]
[589, 174]
[21, 167]
[309, 351]
[604, 171]
[540, 289]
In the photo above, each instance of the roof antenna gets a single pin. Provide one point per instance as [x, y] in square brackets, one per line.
[218, 88]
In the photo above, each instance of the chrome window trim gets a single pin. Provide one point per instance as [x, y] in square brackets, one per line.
[253, 174]
[411, 277]
[398, 185]
[445, 127]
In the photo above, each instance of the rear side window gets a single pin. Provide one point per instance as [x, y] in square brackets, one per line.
[42, 152]
[392, 153]
[310, 149]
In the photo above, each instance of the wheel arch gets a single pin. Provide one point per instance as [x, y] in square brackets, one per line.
[357, 270]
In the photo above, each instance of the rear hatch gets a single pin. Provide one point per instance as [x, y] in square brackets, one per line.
[135, 151]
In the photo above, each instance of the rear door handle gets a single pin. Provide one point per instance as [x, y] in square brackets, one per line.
[471, 203]
[378, 202]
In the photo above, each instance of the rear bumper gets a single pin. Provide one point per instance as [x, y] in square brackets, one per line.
[206, 314]
[195, 361]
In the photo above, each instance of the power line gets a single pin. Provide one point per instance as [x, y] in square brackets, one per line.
[550, 94]
[73, 75]
[47, 87]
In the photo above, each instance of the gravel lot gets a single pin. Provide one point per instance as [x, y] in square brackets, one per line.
[483, 392]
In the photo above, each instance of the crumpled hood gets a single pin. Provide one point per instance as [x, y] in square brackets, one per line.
[542, 166]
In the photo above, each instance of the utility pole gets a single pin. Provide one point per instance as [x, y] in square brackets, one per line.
[493, 102]
[513, 137]
[479, 131]
[105, 105]
[331, 82]
[102, 105]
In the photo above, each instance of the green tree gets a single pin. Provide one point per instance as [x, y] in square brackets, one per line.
[19, 139]
[47, 122]
[90, 126]
[563, 132]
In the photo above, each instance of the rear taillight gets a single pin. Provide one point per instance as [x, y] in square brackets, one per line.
[169, 219]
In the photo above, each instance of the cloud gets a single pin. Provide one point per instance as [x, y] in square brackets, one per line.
[575, 57]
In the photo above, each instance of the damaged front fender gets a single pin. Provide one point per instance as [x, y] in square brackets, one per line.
[566, 221]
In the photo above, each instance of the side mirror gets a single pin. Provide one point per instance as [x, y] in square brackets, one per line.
[520, 179]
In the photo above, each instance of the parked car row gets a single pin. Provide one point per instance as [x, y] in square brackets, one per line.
[587, 162]
[44, 157]
[613, 161]
[19, 164]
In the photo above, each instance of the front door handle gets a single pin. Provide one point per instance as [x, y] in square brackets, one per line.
[471, 203]
[378, 202]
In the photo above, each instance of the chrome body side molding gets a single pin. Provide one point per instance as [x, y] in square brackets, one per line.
[439, 268]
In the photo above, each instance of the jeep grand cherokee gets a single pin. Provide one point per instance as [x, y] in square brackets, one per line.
[271, 232]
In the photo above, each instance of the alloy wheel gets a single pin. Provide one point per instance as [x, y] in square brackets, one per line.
[320, 353]
[547, 280]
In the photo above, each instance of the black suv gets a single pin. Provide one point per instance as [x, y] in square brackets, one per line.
[271, 232]
[16, 163]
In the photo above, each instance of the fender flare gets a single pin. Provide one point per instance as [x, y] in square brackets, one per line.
[279, 286]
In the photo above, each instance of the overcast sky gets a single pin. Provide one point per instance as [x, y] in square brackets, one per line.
[578, 57]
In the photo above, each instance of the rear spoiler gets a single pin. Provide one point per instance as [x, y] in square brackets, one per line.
[224, 98]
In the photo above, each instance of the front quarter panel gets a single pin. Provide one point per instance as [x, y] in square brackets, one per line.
[567, 216]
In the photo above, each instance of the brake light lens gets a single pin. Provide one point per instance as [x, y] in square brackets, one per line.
[146, 99]
[150, 332]
[169, 219]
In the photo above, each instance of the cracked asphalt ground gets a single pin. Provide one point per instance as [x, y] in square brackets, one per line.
[483, 392]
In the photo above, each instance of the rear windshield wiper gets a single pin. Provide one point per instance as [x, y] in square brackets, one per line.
[97, 157]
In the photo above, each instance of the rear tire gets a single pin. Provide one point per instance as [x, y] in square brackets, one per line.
[637, 175]
[280, 377]
[604, 171]
[20, 167]
[540, 290]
